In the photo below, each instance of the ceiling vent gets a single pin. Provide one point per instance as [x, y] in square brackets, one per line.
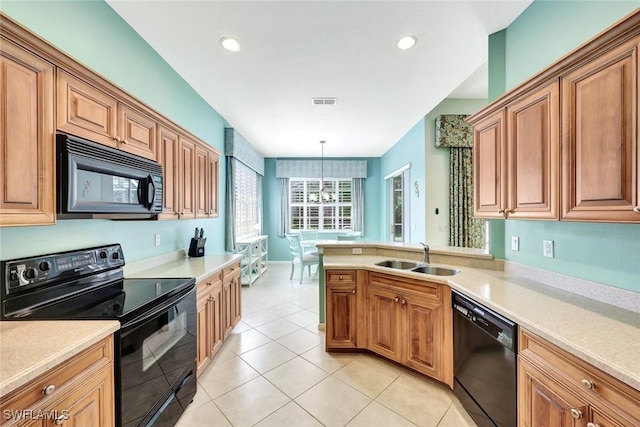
[324, 101]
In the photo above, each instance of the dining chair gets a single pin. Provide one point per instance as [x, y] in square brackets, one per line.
[308, 239]
[299, 256]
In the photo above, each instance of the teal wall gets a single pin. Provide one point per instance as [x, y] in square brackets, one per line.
[92, 33]
[606, 253]
[409, 149]
[278, 246]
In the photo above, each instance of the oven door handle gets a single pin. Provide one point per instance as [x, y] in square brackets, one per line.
[153, 313]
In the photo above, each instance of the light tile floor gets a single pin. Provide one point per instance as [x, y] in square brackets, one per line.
[273, 371]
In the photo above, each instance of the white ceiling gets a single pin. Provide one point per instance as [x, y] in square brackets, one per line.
[292, 51]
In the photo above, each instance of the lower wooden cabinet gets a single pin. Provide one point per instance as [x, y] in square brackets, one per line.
[219, 311]
[78, 392]
[405, 320]
[341, 316]
[231, 299]
[557, 389]
[209, 319]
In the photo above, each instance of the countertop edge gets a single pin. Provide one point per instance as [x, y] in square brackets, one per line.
[23, 376]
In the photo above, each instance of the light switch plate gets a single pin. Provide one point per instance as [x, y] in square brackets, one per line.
[515, 243]
[547, 248]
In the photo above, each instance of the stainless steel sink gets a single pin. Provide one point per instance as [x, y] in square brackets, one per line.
[436, 271]
[400, 265]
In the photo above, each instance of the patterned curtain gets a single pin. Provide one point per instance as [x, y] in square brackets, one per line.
[357, 200]
[230, 206]
[454, 132]
[283, 225]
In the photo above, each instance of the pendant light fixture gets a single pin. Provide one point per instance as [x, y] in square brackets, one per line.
[325, 196]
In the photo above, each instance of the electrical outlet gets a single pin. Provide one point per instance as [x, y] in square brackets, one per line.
[547, 248]
[515, 243]
[157, 239]
[356, 251]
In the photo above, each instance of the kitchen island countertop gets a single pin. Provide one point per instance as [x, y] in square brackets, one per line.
[606, 336]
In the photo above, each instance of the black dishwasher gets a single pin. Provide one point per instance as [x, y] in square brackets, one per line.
[484, 352]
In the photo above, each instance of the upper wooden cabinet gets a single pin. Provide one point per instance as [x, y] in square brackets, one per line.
[564, 144]
[533, 155]
[88, 112]
[167, 156]
[27, 157]
[489, 166]
[516, 155]
[600, 138]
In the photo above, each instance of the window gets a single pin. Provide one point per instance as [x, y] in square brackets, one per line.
[399, 210]
[247, 220]
[307, 211]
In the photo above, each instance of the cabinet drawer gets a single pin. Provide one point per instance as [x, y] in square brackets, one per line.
[579, 375]
[205, 285]
[231, 270]
[62, 378]
[341, 276]
[417, 288]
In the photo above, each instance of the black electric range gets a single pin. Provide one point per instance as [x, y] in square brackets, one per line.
[155, 348]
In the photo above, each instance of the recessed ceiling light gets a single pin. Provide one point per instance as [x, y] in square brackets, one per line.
[407, 42]
[230, 44]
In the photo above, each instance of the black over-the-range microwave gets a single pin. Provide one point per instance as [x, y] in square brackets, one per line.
[96, 181]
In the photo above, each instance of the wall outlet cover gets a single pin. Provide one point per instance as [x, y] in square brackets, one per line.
[156, 239]
[547, 248]
[515, 243]
[356, 251]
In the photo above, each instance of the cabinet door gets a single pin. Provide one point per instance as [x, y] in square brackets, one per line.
[85, 111]
[187, 177]
[341, 316]
[91, 404]
[167, 156]
[212, 181]
[27, 153]
[424, 335]
[533, 155]
[227, 309]
[384, 321]
[600, 140]
[542, 402]
[137, 132]
[217, 334]
[202, 186]
[489, 183]
[205, 332]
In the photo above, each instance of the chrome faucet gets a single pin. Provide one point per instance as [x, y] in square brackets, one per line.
[425, 256]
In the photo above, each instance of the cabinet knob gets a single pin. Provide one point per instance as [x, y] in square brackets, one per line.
[403, 302]
[60, 419]
[576, 413]
[340, 277]
[396, 299]
[209, 283]
[501, 211]
[117, 139]
[637, 209]
[48, 389]
[124, 141]
[593, 425]
[353, 291]
[588, 384]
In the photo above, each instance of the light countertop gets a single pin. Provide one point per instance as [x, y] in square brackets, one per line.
[603, 335]
[32, 347]
[178, 265]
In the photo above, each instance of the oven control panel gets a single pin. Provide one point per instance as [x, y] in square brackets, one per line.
[41, 270]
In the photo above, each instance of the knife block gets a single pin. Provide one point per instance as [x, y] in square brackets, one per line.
[196, 247]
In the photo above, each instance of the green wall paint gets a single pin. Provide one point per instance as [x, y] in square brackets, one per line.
[497, 64]
[410, 149]
[606, 253]
[95, 35]
[549, 29]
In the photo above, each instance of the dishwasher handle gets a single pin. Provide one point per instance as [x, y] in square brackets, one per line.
[500, 328]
